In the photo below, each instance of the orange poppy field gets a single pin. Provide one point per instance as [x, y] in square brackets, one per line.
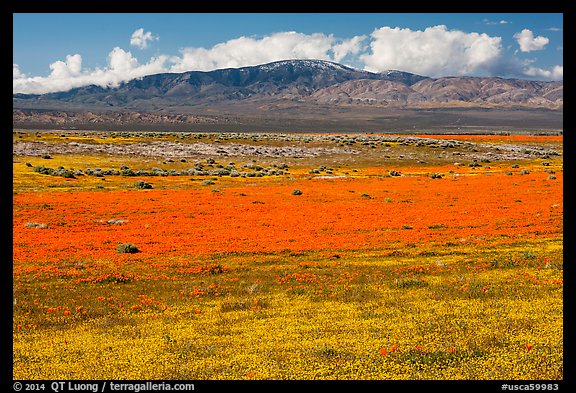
[353, 257]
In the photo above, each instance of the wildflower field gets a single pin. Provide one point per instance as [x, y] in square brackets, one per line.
[287, 256]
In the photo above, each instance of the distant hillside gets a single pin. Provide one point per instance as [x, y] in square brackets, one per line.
[298, 89]
[310, 81]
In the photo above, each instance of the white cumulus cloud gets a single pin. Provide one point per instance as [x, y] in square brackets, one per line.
[555, 73]
[16, 73]
[528, 42]
[249, 51]
[69, 68]
[141, 39]
[435, 51]
[66, 75]
[352, 46]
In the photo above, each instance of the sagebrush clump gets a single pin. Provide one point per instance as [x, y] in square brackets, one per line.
[142, 185]
[127, 248]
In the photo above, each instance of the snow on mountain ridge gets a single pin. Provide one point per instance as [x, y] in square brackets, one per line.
[297, 63]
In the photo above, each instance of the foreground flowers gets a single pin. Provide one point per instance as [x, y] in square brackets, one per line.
[457, 277]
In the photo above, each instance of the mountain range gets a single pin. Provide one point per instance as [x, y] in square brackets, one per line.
[311, 88]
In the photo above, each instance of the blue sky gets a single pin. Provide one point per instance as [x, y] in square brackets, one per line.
[54, 52]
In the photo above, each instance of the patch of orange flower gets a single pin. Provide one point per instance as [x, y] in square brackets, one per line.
[499, 138]
[330, 215]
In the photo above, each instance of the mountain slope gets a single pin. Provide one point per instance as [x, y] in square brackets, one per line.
[301, 82]
[490, 90]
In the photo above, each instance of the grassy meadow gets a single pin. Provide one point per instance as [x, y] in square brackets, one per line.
[391, 262]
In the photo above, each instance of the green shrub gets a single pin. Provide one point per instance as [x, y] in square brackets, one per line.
[43, 170]
[410, 283]
[127, 248]
[142, 185]
[66, 173]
